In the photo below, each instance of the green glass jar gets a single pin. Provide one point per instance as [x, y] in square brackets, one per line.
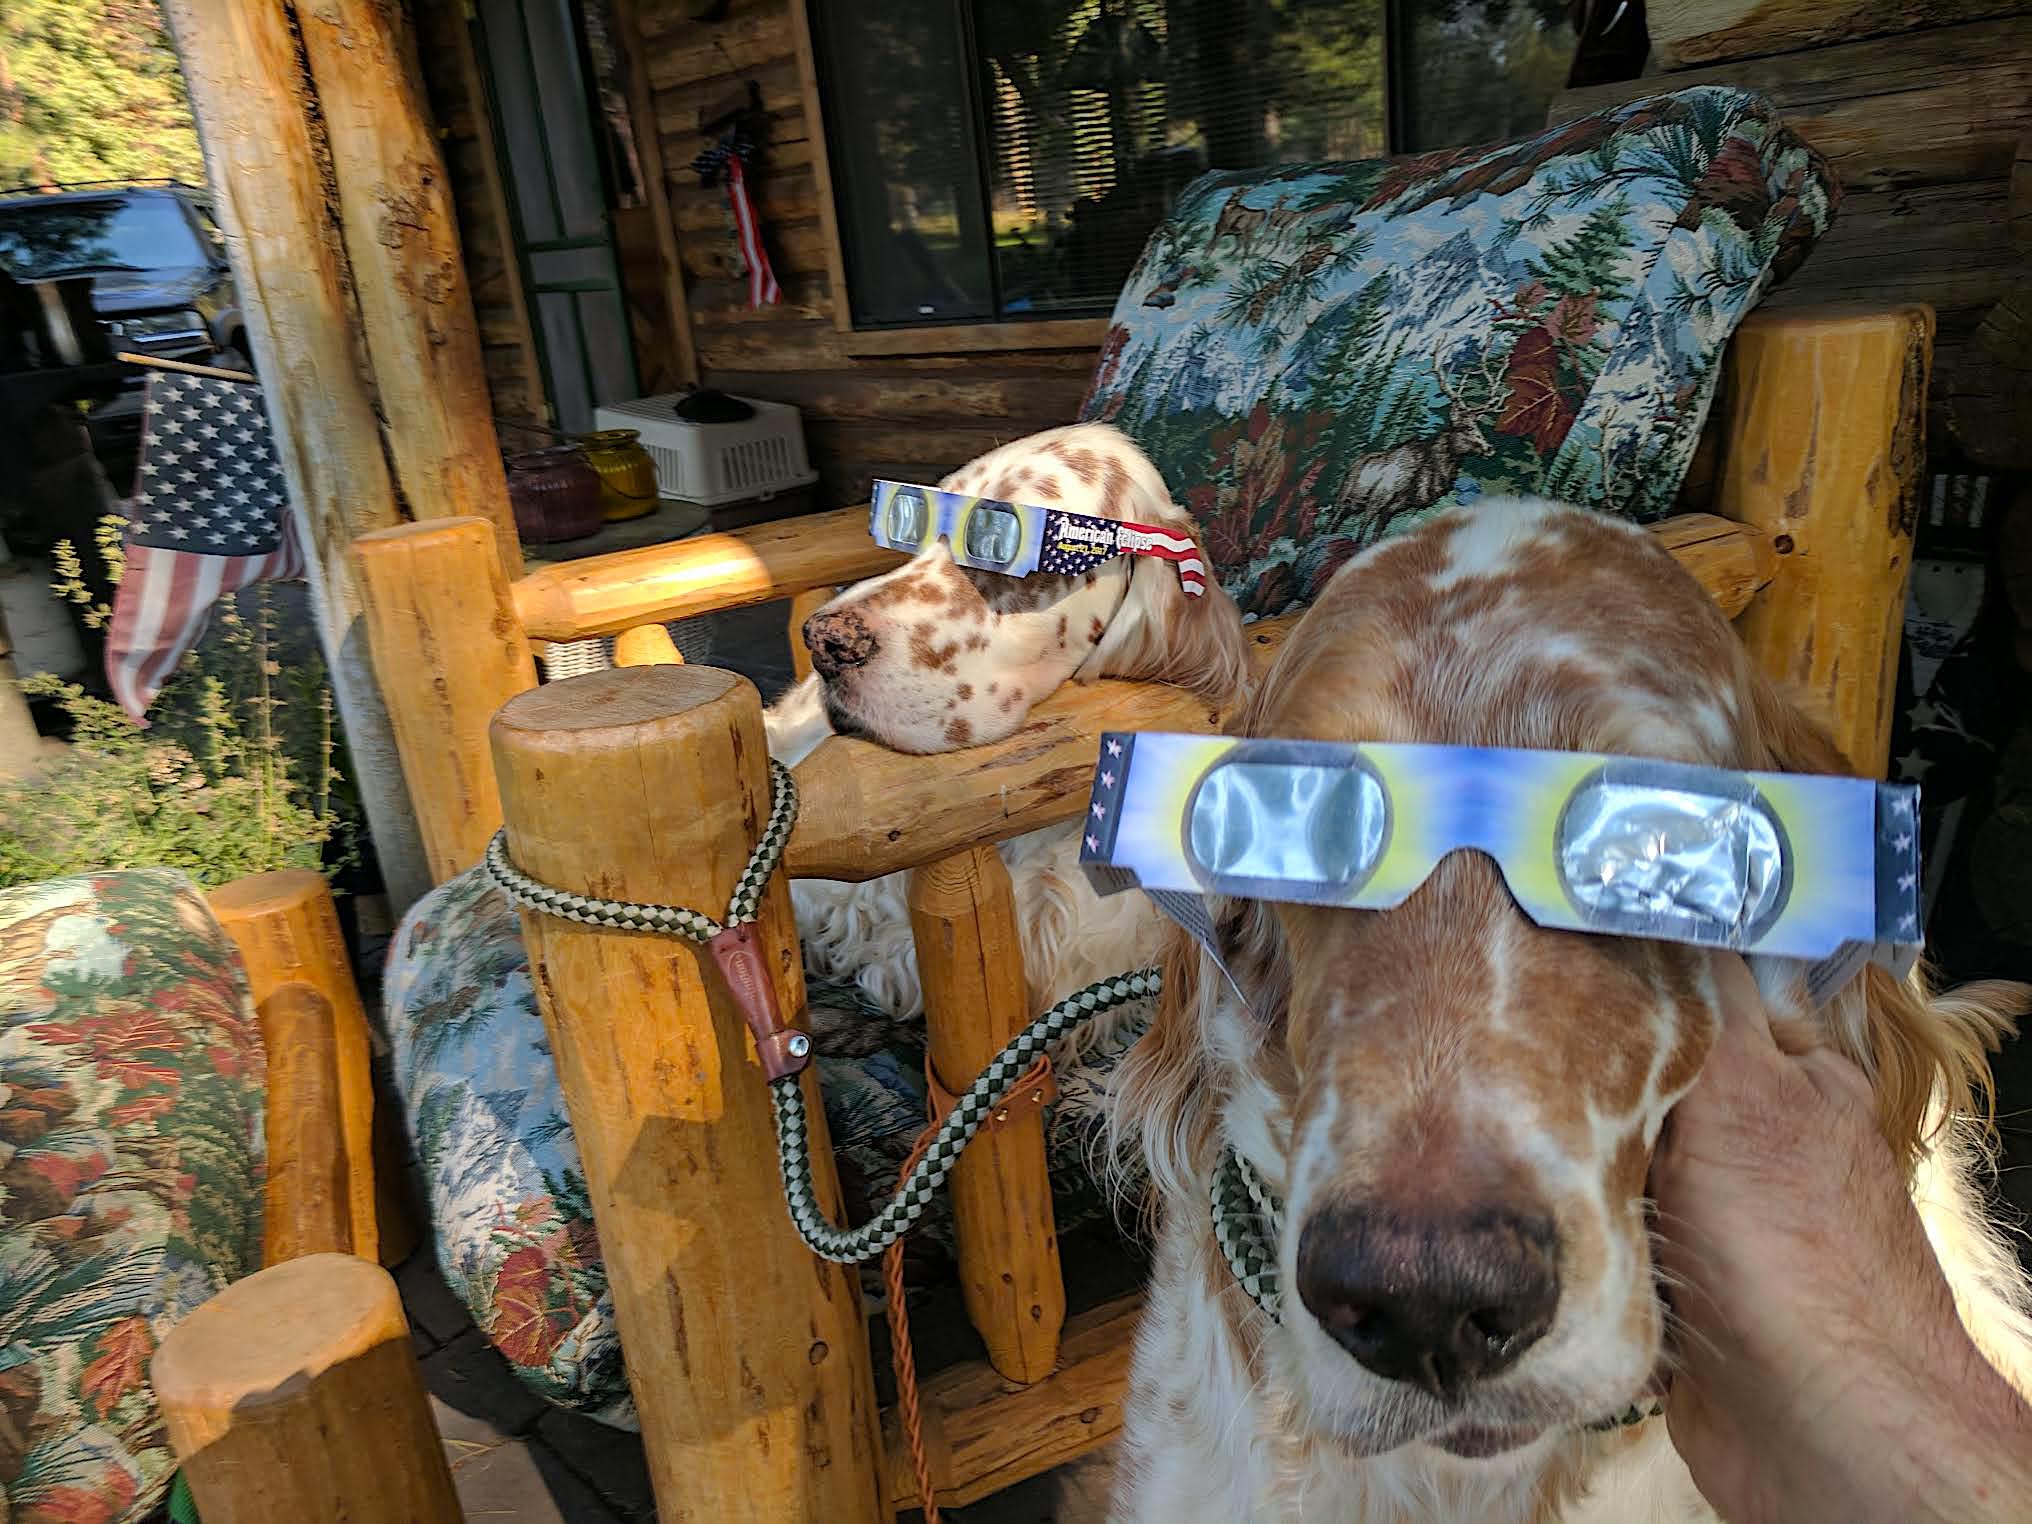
[627, 474]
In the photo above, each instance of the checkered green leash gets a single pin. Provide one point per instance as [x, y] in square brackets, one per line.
[913, 1197]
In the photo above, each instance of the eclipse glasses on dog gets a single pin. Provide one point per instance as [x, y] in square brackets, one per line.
[1791, 865]
[1017, 539]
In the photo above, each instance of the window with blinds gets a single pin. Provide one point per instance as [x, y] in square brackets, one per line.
[995, 161]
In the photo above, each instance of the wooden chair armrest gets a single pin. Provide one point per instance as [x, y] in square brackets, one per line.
[603, 595]
[310, 1177]
[321, 1178]
[865, 811]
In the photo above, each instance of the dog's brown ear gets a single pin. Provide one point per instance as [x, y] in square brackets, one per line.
[1926, 1054]
[1161, 1116]
[1162, 634]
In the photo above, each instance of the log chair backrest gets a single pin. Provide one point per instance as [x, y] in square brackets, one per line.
[1816, 461]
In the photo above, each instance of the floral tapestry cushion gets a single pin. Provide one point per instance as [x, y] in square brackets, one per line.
[510, 1216]
[1321, 354]
[131, 1171]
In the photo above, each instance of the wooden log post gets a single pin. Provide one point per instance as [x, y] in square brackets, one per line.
[970, 958]
[1824, 452]
[402, 239]
[250, 99]
[647, 645]
[747, 1356]
[448, 651]
[308, 1199]
[320, 1079]
[294, 1394]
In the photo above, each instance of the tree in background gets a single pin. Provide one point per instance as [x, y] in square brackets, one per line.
[89, 90]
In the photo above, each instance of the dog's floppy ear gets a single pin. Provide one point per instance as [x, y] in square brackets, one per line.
[1160, 634]
[1925, 1053]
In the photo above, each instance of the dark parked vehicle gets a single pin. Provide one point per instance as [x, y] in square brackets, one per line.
[160, 282]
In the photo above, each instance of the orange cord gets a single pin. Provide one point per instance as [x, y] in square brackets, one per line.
[1038, 1080]
[901, 1359]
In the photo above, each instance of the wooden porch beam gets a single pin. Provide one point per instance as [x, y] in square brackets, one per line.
[402, 240]
[250, 98]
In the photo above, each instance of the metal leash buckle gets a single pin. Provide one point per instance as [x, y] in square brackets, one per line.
[781, 1049]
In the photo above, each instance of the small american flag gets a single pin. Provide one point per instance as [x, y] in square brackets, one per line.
[210, 516]
[1077, 542]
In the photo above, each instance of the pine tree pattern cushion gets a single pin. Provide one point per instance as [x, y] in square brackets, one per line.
[510, 1217]
[1318, 355]
[131, 1171]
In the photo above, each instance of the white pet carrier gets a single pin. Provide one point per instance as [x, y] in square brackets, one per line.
[715, 463]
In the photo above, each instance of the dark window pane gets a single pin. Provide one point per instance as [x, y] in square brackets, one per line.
[1480, 71]
[899, 123]
[1100, 111]
[994, 160]
[41, 240]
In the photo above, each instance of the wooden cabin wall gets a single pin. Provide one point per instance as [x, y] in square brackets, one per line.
[512, 374]
[1924, 114]
[864, 416]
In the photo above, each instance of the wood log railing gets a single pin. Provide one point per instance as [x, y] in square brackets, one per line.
[1820, 433]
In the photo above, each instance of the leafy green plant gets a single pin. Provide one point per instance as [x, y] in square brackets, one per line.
[235, 774]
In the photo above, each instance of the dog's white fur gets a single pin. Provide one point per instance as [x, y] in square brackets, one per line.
[1233, 1417]
[960, 658]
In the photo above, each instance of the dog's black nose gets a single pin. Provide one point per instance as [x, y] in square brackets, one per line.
[1439, 1301]
[837, 639]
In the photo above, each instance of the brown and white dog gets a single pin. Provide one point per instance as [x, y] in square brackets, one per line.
[934, 656]
[1455, 1103]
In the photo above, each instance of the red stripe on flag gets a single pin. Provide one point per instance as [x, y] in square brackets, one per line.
[762, 288]
[163, 605]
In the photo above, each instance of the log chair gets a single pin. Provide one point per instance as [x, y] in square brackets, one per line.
[1815, 472]
[295, 1394]
[320, 1416]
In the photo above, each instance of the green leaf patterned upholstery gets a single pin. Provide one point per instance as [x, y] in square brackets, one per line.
[1317, 355]
[131, 1174]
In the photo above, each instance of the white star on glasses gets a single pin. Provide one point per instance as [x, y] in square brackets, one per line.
[1906, 881]
[1107, 780]
[1902, 843]
[1093, 843]
[1100, 811]
[1114, 748]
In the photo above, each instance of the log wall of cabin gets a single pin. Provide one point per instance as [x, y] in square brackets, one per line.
[1924, 115]
[913, 416]
[864, 415]
[443, 51]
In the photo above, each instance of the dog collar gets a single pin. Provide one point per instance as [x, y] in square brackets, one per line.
[1248, 1217]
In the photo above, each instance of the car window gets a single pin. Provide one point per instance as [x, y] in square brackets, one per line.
[39, 240]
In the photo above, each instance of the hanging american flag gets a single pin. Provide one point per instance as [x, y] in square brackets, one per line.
[728, 160]
[210, 516]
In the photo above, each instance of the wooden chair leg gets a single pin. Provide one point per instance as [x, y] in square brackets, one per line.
[970, 957]
[287, 930]
[1823, 450]
[294, 1394]
[802, 607]
[748, 1356]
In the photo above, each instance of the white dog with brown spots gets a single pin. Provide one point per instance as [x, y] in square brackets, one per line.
[934, 656]
[1459, 1107]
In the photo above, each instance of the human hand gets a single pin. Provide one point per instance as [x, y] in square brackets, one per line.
[1822, 1371]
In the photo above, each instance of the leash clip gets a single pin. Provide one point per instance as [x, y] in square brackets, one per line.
[782, 1049]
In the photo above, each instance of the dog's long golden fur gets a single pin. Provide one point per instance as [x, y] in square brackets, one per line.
[1392, 1056]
